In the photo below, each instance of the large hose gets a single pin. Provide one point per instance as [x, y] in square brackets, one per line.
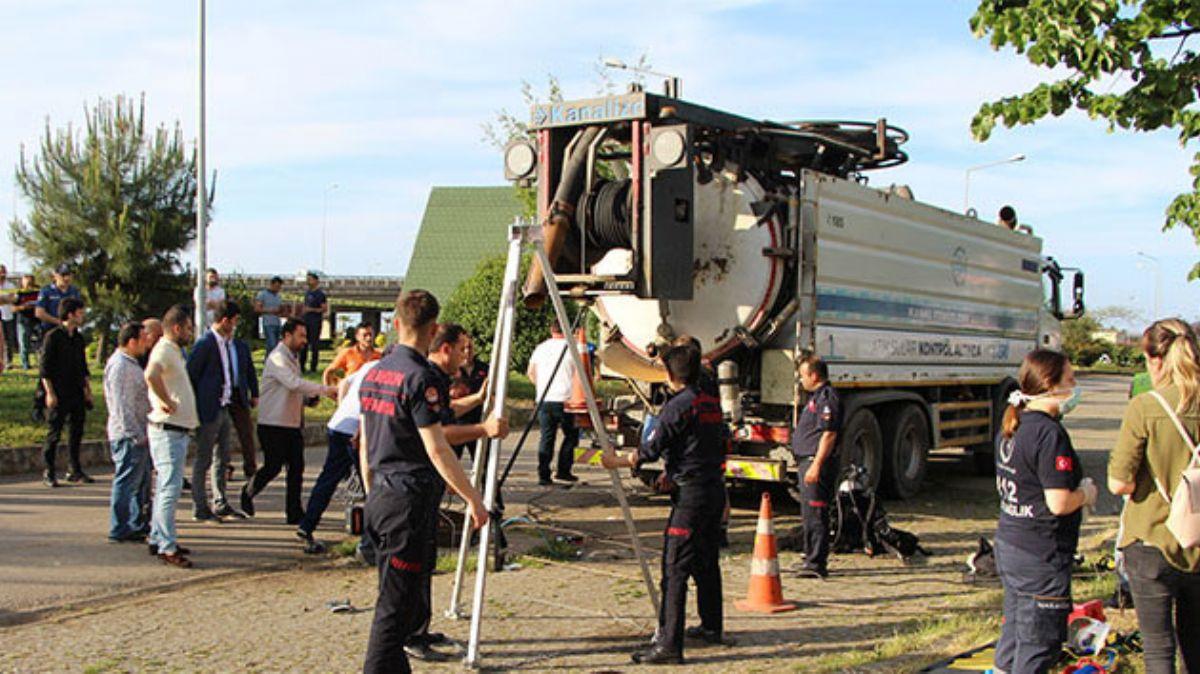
[562, 215]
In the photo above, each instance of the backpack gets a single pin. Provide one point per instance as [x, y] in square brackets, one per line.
[981, 564]
[858, 522]
[1184, 520]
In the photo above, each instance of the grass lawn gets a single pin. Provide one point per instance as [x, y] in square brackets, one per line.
[16, 401]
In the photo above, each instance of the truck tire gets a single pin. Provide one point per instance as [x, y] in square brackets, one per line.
[906, 454]
[983, 455]
[861, 444]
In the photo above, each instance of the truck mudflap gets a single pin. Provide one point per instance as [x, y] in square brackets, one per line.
[588, 456]
[739, 467]
[755, 468]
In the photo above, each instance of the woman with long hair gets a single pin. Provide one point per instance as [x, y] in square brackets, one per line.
[1042, 490]
[1151, 452]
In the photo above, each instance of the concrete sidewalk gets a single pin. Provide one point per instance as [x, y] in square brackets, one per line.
[56, 552]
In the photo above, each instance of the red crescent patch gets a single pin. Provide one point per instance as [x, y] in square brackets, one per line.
[431, 395]
[1063, 463]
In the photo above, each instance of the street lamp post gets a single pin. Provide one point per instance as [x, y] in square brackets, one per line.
[672, 84]
[201, 196]
[1157, 284]
[325, 221]
[970, 170]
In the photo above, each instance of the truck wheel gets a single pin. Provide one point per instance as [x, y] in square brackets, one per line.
[983, 455]
[862, 445]
[907, 454]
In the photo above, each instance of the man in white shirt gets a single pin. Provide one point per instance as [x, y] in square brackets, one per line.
[553, 389]
[214, 297]
[284, 392]
[340, 459]
[172, 418]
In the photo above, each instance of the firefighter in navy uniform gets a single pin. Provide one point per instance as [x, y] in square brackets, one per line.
[407, 462]
[814, 443]
[691, 436]
[1042, 492]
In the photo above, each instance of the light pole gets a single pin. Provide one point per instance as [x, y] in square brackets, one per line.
[672, 84]
[970, 170]
[325, 221]
[1157, 284]
[201, 197]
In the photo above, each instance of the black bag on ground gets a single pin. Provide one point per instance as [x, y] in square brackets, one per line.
[859, 522]
[981, 565]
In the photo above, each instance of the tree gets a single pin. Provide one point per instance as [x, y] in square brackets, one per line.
[1079, 344]
[116, 202]
[474, 305]
[1100, 43]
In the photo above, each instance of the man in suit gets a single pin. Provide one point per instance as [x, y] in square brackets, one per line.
[211, 366]
[245, 398]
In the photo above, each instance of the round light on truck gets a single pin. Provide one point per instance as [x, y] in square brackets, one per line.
[520, 159]
[669, 148]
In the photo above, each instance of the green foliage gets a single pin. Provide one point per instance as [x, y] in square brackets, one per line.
[475, 304]
[1085, 350]
[1100, 43]
[237, 290]
[117, 202]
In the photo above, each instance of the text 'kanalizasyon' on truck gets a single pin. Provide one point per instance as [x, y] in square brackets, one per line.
[764, 241]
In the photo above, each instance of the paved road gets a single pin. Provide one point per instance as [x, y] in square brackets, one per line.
[56, 553]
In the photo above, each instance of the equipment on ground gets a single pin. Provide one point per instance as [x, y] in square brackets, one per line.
[764, 241]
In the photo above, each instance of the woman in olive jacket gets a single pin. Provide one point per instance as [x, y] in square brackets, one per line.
[1164, 577]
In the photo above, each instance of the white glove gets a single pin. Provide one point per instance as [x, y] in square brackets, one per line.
[1090, 492]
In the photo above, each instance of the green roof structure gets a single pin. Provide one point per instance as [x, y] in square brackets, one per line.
[461, 227]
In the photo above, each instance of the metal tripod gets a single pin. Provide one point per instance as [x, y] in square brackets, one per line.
[488, 450]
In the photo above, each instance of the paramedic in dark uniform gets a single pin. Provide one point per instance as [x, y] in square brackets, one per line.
[814, 443]
[690, 436]
[1042, 492]
[407, 463]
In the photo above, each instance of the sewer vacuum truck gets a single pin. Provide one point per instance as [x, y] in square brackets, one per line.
[764, 241]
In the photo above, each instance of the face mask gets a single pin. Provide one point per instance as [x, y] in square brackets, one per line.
[1065, 407]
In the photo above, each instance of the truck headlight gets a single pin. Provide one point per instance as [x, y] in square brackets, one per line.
[520, 160]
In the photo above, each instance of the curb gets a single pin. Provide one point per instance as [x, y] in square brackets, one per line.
[110, 599]
[28, 460]
[92, 453]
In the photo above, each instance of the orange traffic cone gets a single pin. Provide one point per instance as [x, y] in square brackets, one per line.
[577, 403]
[766, 593]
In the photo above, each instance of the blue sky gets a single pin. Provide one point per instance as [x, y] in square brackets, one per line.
[387, 99]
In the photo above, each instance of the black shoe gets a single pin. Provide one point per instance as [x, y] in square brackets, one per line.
[545, 482]
[806, 570]
[657, 655]
[80, 477]
[311, 545]
[226, 510]
[209, 517]
[708, 636]
[568, 478]
[49, 480]
[421, 651]
[295, 519]
[429, 638]
[132, 537]
[247, 501]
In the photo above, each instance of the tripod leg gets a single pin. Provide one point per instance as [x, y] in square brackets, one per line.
[598, 427]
